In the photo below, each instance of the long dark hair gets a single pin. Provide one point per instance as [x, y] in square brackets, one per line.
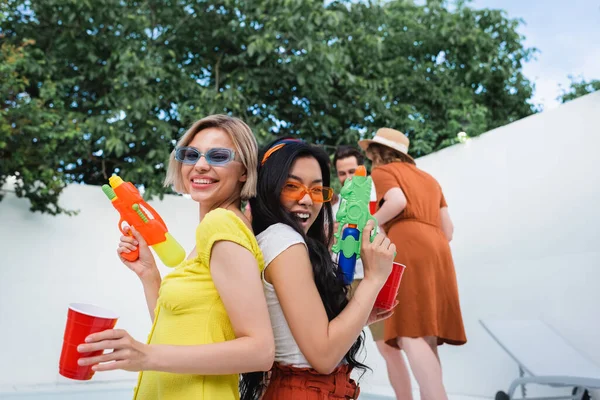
[267, 210]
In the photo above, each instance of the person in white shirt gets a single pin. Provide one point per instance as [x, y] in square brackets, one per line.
[317, 328]
[346, 160]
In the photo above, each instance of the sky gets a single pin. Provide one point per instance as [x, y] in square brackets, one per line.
[567, 36]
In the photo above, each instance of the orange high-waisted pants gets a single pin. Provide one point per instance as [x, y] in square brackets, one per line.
[291, 383]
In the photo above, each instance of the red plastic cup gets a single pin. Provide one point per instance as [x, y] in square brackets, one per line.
[372, 207]
[82, 320]
[387, 296]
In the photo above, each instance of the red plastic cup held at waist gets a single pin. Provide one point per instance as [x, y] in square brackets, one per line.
[82, 321]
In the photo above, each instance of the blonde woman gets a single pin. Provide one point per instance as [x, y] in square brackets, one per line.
[210, 317]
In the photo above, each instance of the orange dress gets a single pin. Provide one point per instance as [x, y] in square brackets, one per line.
[428, 294]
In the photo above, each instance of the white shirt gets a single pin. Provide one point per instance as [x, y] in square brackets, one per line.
[273, 241]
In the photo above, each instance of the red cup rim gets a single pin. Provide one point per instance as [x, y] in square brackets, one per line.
[93, 310]
[397, 263]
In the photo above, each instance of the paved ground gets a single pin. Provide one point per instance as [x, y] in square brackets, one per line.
[123, 391]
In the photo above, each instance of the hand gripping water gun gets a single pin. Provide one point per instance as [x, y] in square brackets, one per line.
[354, 211]
[136, 212]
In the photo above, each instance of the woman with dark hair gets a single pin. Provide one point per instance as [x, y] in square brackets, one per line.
[317, 329]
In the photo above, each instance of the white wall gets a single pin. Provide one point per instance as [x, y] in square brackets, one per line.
[48, 262]
[524, 199]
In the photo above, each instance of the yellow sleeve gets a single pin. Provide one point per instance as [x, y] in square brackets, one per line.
[222, 224]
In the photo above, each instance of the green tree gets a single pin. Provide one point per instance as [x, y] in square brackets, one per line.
[95, 87]
[578, 87]
[432, 72]
[33, 138]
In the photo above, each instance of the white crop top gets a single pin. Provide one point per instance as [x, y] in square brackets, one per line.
[273, 241]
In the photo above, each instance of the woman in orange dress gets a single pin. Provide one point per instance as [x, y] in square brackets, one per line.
[413, 212]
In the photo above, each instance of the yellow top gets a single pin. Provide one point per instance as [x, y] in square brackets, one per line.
[189, 311]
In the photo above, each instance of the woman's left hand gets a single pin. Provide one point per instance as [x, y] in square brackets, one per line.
[378, 314]
[127, 353]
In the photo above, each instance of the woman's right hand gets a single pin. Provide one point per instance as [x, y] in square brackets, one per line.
[378, 255]
[145, 265]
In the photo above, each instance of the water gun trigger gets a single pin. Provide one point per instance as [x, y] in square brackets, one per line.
[124, 224]
[375, 229]
[132, 255]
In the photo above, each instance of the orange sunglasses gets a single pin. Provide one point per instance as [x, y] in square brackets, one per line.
[296, 191]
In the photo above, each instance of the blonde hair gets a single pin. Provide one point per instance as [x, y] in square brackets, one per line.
[245, 148]
[381, 155]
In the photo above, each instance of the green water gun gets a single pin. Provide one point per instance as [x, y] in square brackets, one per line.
[354, 212]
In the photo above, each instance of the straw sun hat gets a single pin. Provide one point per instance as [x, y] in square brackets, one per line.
[390, 138]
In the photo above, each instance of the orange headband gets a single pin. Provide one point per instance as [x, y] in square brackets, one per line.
[277, 146]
